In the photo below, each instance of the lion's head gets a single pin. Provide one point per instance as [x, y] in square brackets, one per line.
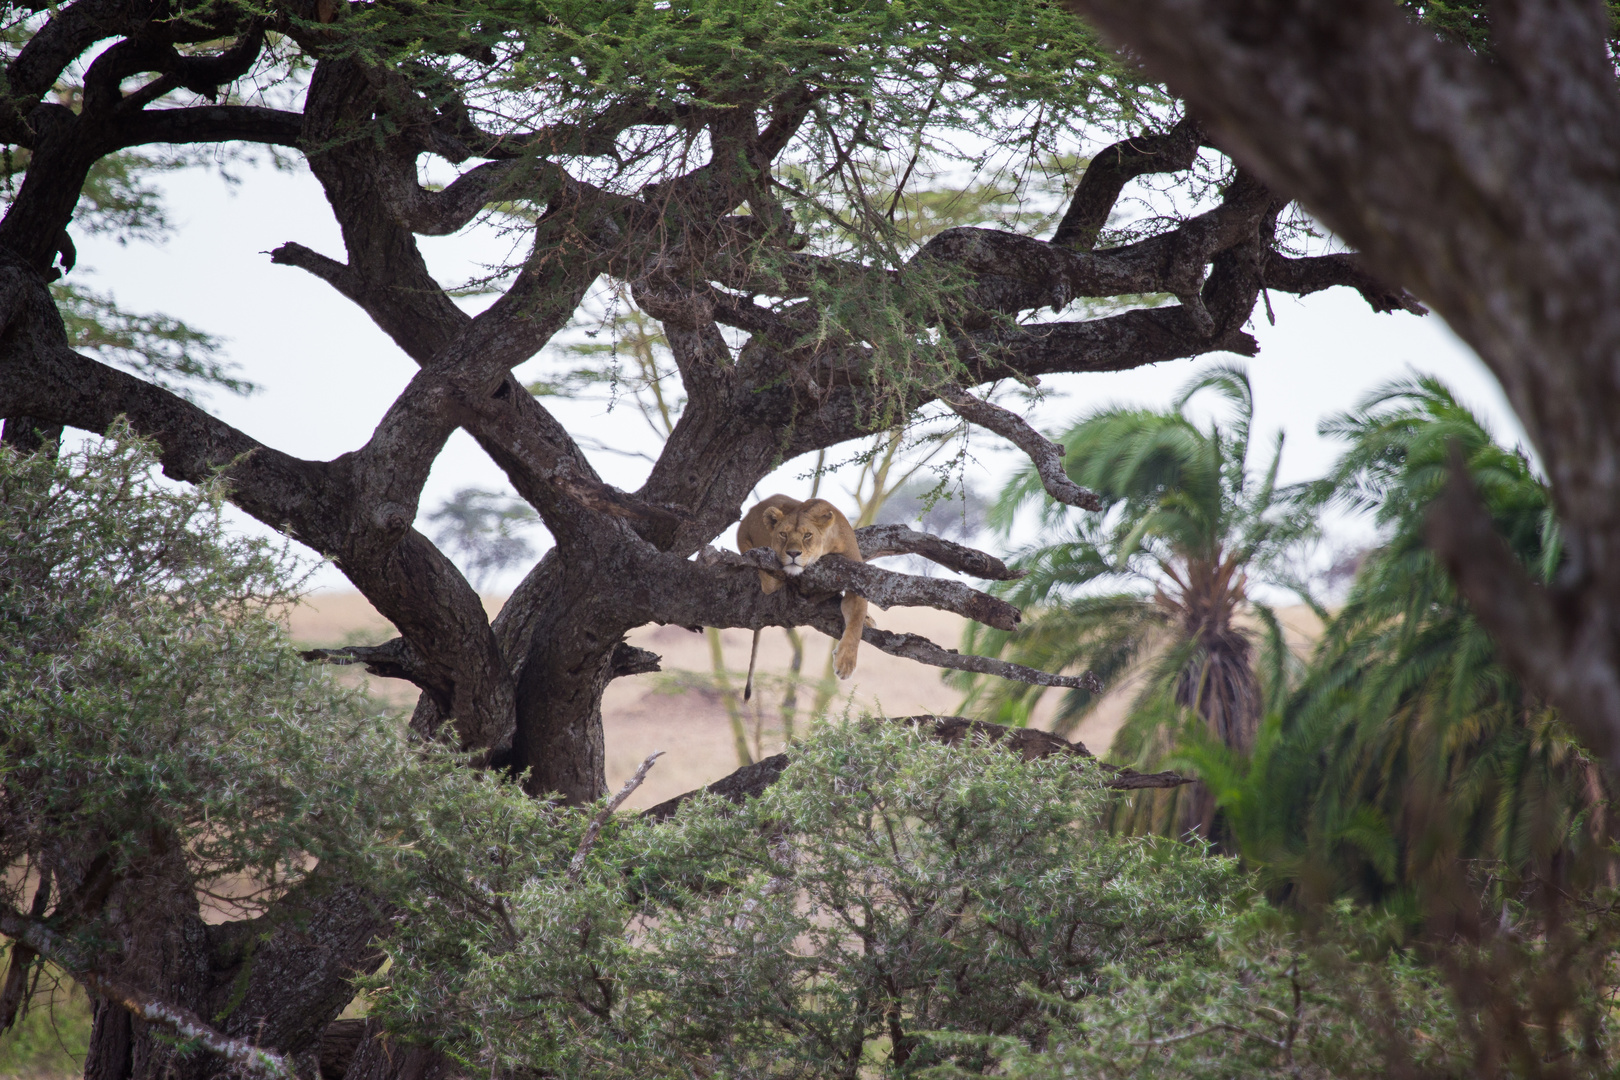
[799, 536]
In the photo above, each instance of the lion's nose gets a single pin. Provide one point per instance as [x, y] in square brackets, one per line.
[794, 554]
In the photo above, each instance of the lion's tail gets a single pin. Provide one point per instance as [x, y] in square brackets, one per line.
[753, 654]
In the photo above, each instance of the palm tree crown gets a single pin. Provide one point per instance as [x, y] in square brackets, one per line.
[1153, 584]
[1409, 750]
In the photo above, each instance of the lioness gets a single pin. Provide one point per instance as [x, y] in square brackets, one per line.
[800, 533]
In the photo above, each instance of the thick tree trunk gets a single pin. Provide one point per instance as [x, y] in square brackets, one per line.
[559, 699]
[276, 981]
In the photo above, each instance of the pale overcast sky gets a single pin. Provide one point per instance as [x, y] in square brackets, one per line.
[328, 374]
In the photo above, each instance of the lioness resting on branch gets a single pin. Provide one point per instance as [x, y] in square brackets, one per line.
[800, 533]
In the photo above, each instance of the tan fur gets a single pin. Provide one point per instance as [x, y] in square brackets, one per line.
[800, 533]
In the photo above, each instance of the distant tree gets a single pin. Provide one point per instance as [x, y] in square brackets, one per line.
[1154, 588]
[483, 528]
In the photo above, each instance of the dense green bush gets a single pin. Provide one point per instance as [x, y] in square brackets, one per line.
[1345, 995]
[157, 723]
[885, 888]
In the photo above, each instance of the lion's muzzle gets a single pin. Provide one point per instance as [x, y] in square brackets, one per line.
[794, 562]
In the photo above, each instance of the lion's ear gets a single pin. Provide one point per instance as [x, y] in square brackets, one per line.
[773, 514]
[823, 515]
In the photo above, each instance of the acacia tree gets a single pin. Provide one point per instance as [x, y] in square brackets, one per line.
[743, 169]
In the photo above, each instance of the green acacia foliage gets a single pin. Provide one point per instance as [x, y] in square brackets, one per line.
[886, 887]
[904, 99]
[876, 63]
[1468, 22]
[1410, 746]
[154, 719]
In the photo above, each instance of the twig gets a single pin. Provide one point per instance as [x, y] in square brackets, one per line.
[594, 829]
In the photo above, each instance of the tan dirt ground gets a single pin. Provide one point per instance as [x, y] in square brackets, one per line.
[680, 711]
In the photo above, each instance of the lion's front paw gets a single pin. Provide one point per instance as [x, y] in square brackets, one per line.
[844, 662]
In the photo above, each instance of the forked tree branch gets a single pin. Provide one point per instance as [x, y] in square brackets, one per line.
[1108, 173]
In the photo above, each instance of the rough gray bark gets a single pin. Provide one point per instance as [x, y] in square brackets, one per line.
[1489, 185]
[524, 691]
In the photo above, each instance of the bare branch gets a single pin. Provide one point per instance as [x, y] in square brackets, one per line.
[1312, 274]
[879, 541]
[577, 866]
[1044, 453]
[1113, 168]
[630, 660]
[393, 659]
[1115, 343]
[440, 213]
[212, 124]
[46, 54]
[918, 648]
